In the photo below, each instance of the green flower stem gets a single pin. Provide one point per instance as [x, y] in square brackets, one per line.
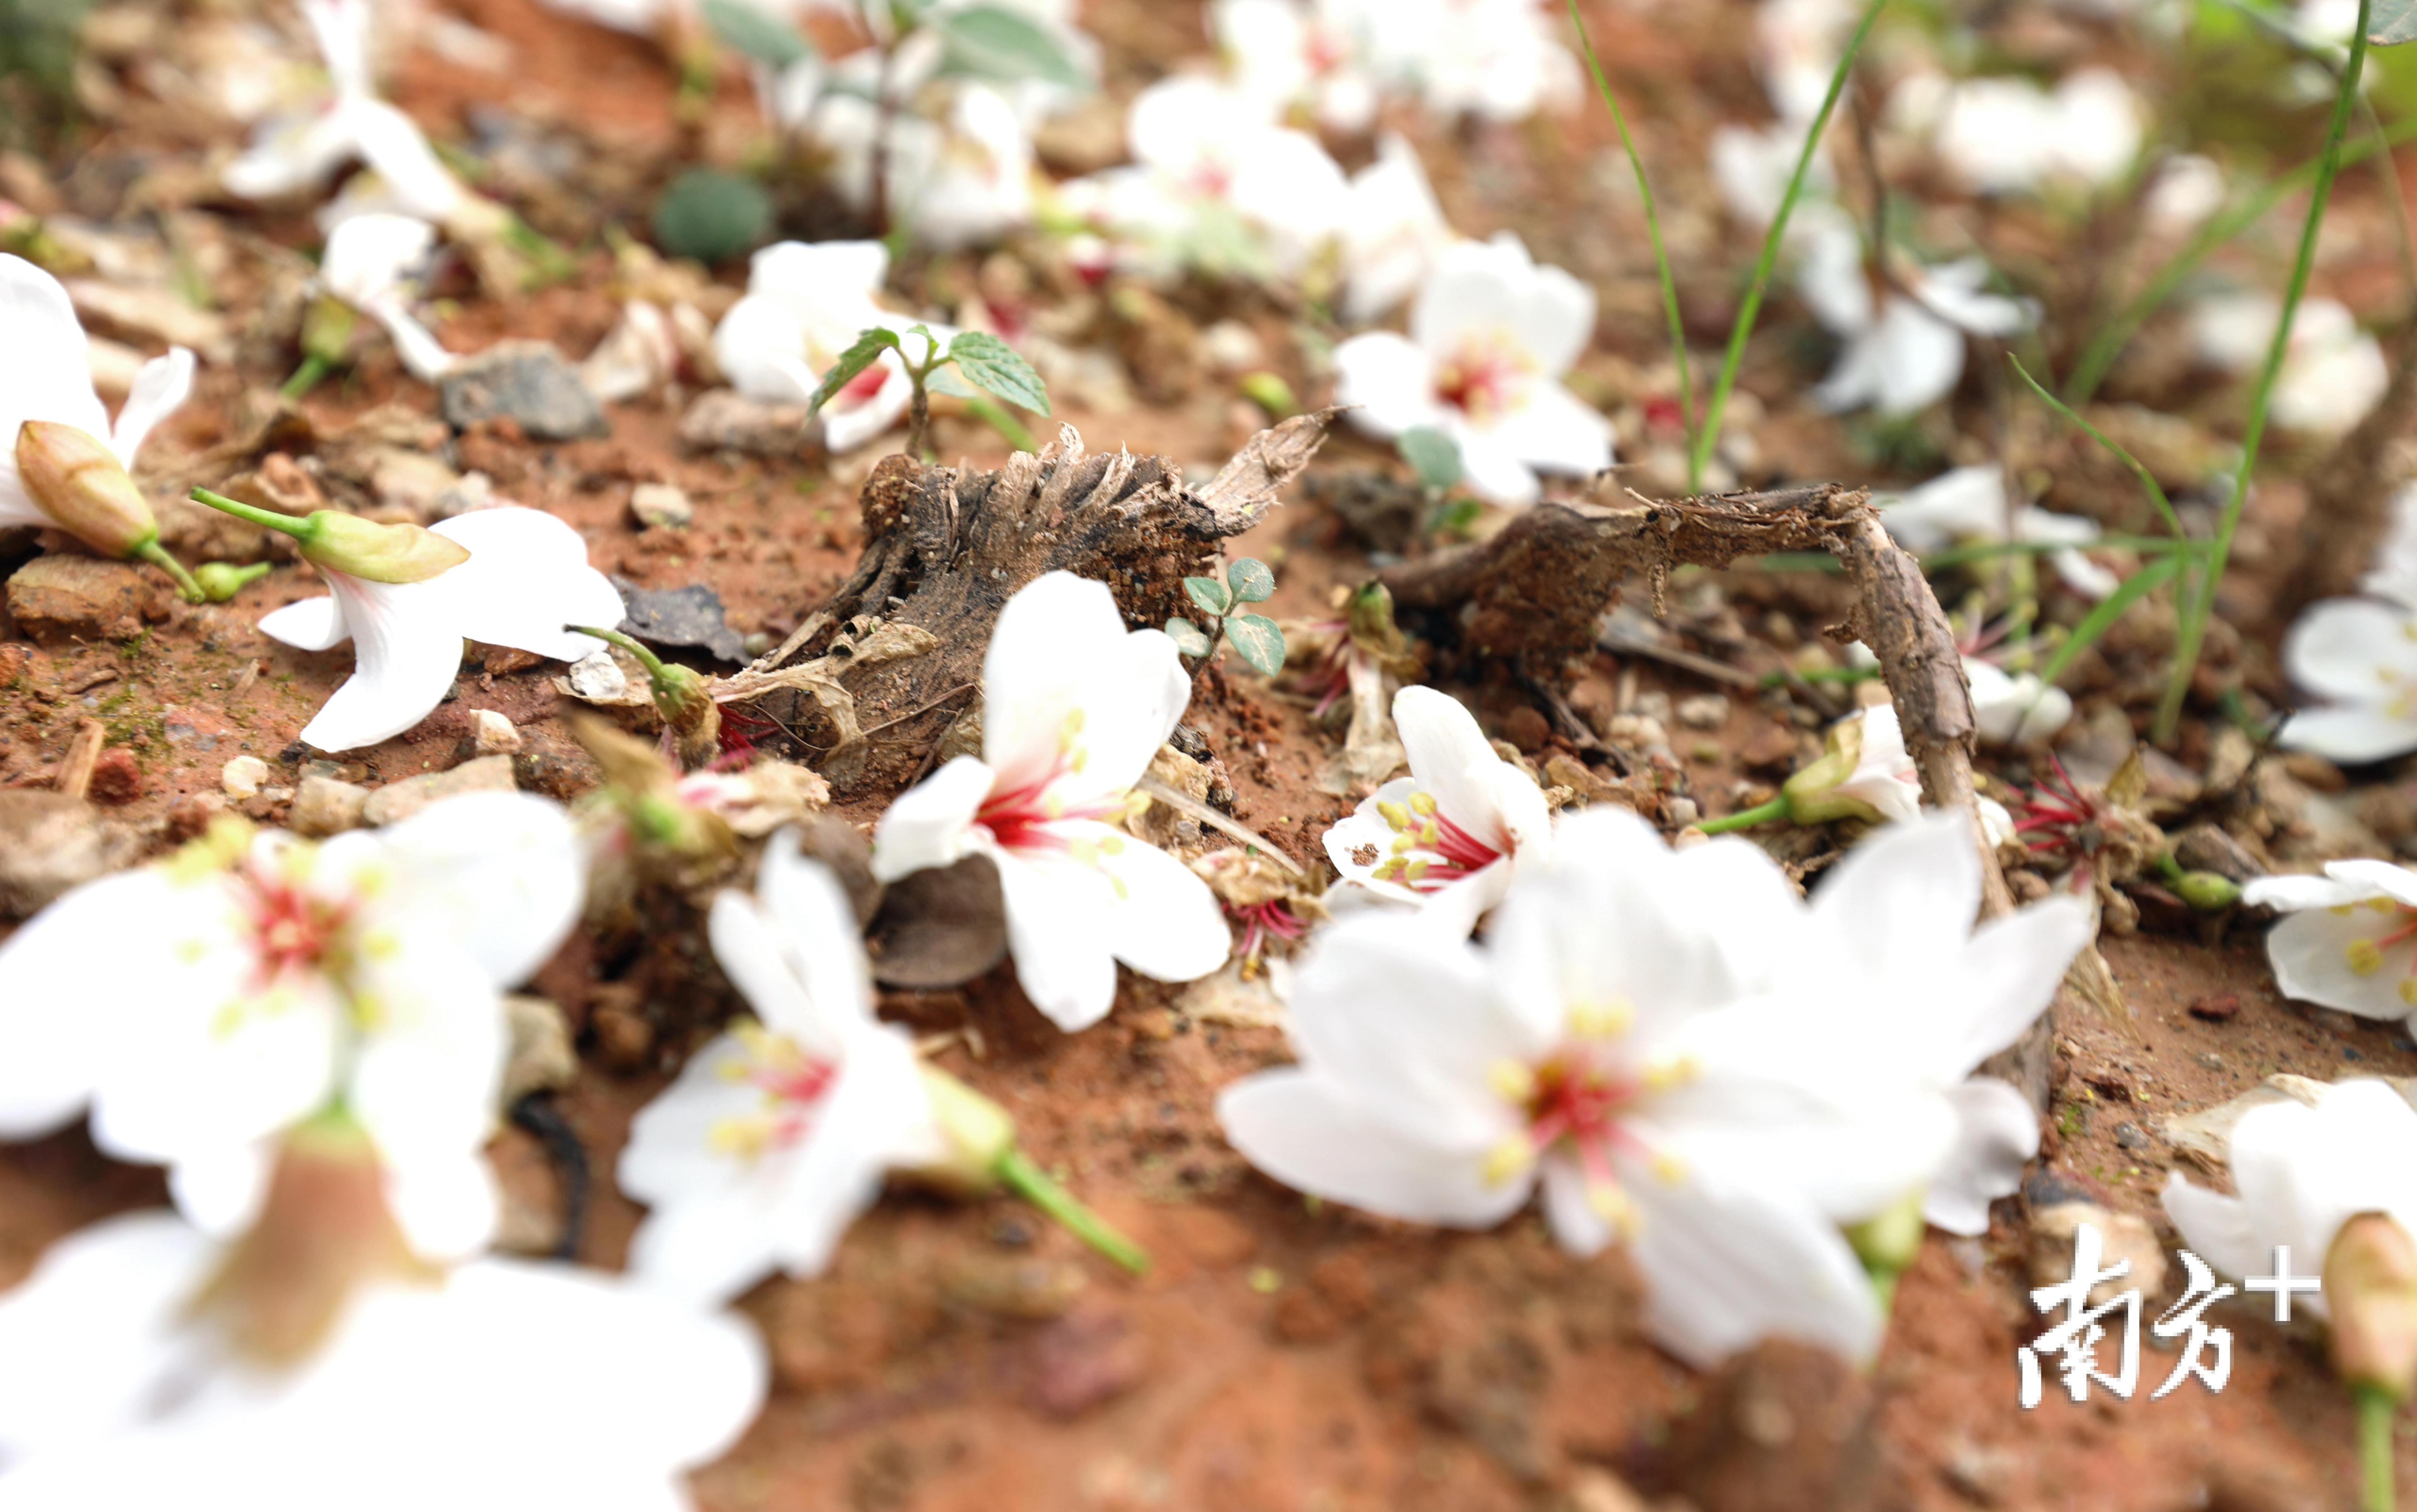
[156, 554]
[653, 663]
[2148, 480]
[994, 416]
[1654, 232]
[300, 529]
[1018, 1172]
[2199, 598]
[2375, 1408]
[306, 377]
[1761, 813]
[1700, 455]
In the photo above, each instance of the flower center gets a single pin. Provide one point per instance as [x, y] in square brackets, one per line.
[794, 1084]
[1025, 816]
[1481, 380]
[293, 929]
[1579, 1100]
[2365, 953]
[1430, 852]
[1260, 920]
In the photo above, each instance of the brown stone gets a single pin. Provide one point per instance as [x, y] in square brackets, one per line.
[60, 596]
[115, 778]
[2217, 1007]
[1526, 728]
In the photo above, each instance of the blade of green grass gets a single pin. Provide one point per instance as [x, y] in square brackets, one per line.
[2200, 601]
[1652, 230]
[2156, 494]
[1700, 454]
[2108, 610]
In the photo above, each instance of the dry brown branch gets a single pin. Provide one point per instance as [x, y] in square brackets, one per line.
[946, 548]
[1537, 591]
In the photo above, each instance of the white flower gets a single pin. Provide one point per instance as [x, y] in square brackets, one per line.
[2394, 573]
[2350, 940]
[2008, 135]
[2359, 657]
[1490, 336]
[219, 997]
[1286, 53]
[2332, 373]
[1798, 44]
[2302, 1172]
[301, 153]
[1969, 504]
[497, 1385]
[1893, 964]
[1881, 777]
[2187, 191]
[1392, 231]
[48, 376]
[371, 263]
[1906, 353]
[2014, 708]
[806, 303]
[778, 1133]
[1499, 59]
[1448, 838]
[1752, 168]
[1217, 182]
[526, 577]
[1073, 708]
[1594, 1048]
[958, 178]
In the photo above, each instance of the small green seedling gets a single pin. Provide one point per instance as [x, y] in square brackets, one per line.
[1436, 458]
[1257, 639]
[982, 359]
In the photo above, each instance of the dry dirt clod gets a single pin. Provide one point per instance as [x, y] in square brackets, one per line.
[61, 598]
[50, 842]
[528, 382]
[324, 806]
[491, 734]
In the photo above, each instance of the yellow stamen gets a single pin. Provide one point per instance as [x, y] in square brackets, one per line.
[1416, 871]
[1671, 1072]
[1430, 835]
[2366, 956]
[1112, 845]
[1424, 802]
[2409, 990]
[1396, 817]
[1668, 1168]
[1615, 1207]
[1513, 1081]
[1508, 1160]
[1602, 1021]
[742, 1137]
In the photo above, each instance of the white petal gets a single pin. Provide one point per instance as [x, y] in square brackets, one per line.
[46, 377]
[526, 577]
[427, 1071]
[310, 625]
[1906, 895]
[932, 824]
[2352, 650]
[391, 144]
[1299, 1130]
[875, 1113]
[1726, 1266]
[498, 876]
[1390, 379]
[445, 1202]
[1396, 1014]
[1165, 924]
[818, 931]
[751, 952]
[1554, 430]
[1996, 1133]
[1063, 667]
[2353, 734]
[1062, 960]
[2381, 878]
[220, 1190]
[2010, 971]
[59, 1023]
[1449, 756]
[1491, 468]
[705, 1246]
[407, 648]
[220, 1066]
[2214, 1227]
[161, 388]
[2310, 954]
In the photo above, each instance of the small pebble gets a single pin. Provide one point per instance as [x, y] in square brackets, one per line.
[325, 806]
[243, 776]
[2217, 1007]
[2130, 1137]
[599, 677]
[2211, 1059]
[1681, 811]
[1705, 711]
[493, 734]
[661, 505]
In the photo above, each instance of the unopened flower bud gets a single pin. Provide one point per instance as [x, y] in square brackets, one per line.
[977, 1136]
[379, 553]
[222, 580]
[324, 1230]
[2209, 892]
[1888, 1241]
[685, 701]
[1812, 793]
[327, 329]
[2370, 1280]
[76, 480]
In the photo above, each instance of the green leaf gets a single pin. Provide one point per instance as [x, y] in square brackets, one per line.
[995, 42]
[745, 29]
[997, 367]
[712, 216]
[1432, 455]
[944, 380]
[1209, 594]
[2390, 22]
[863, 355]
[1259, 640]
[2134, 588]
[1252, 581]
[1188, 637]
